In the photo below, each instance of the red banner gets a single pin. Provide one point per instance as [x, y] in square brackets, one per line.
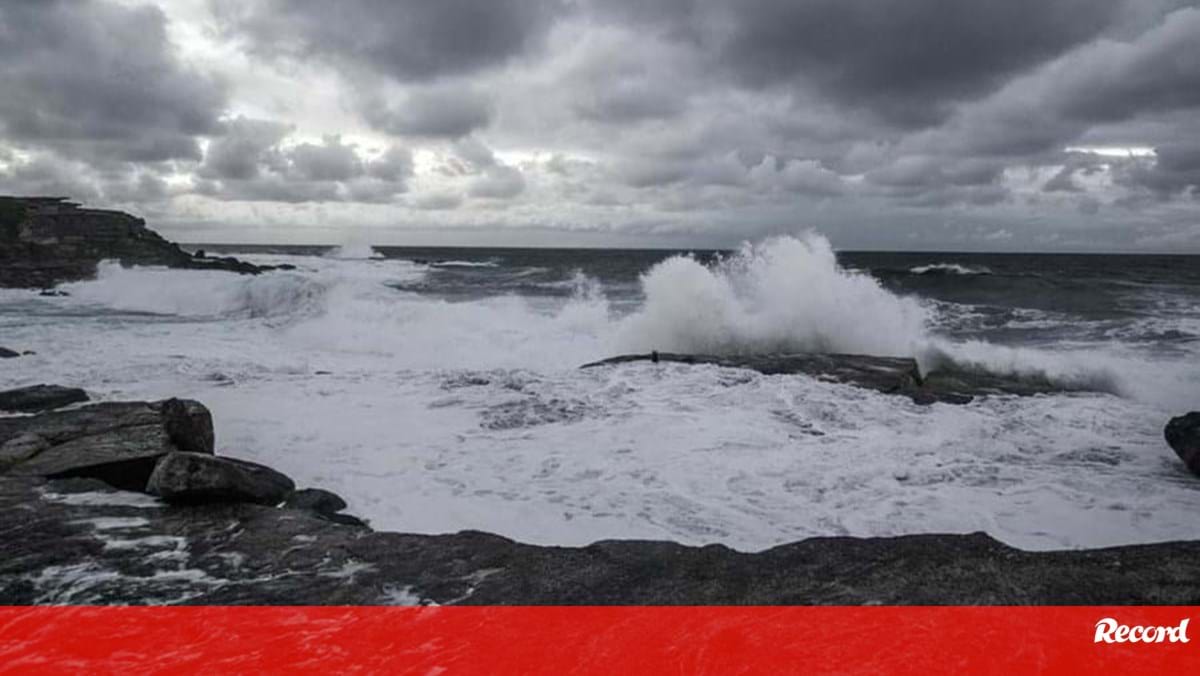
[581, 640]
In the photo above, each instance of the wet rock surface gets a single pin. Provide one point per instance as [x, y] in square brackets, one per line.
[1183, 436]
[890, 375]
[197, 477]
[119, 442]
[40, 398]
[45, 241]
[81, 541]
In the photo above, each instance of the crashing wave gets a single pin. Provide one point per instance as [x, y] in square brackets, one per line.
[198, 293]
[354, 251]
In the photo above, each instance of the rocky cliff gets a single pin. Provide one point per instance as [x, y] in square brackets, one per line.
[45, 241]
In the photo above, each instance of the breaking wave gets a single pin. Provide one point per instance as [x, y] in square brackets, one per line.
[199, 293]
[949, 269]
[354, 251]
[785, 294]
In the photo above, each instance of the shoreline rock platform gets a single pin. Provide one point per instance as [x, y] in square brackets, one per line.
[83, 526]
[889, 375]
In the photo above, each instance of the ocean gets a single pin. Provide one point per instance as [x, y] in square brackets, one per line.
[438, 389]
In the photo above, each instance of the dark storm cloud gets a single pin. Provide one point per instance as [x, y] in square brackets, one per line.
[1105, 82]
[1174, 170]
[441, 111]
[250, 161]
[905, 61]
[408, 40]
[99, 80]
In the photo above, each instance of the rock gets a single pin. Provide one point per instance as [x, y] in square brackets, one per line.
[189, 425]
[45, 241]
[136, 550]
[324, 504]
[199, 478]
[40, 398]
[1183, 436]
[890, 375]
[316, 500]
[118, 442]
[53, 293]
[6, 353]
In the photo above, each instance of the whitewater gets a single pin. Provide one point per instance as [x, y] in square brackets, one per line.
[434, 408]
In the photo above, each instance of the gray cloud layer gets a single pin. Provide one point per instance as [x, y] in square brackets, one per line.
[719, 119]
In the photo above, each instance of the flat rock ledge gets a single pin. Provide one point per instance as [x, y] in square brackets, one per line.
[889, 375]
[36, 398]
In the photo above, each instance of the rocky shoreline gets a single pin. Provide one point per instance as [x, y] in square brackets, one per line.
[125, 503]
[45, 241]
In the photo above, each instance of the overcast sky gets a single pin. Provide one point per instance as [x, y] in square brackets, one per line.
[885, 124]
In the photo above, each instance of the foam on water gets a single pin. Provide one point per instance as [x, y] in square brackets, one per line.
[949, 269]
[432, 416]
[354, 251]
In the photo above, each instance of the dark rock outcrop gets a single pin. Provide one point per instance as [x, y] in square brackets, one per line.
[324, 504]
[119, 442]
[316, 500]
[1183, 436]
[199, 478]
[45, 241]
[40, 398]
[890, 375]
[80, 541]
[6, 353]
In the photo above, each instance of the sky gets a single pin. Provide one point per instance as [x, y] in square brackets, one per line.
[990, 125]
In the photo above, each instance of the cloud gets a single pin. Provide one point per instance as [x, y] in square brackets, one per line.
[243, 148]
[905, 61]
[498, 182]
[449, 111]
[406, 40]
[251, 160]
[101, 81]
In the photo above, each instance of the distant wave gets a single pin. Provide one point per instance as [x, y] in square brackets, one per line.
[464, 264]
[354, 251]
[949, 269]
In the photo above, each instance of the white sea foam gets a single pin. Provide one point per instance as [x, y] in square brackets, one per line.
[950, 268]
[464, 264]
[196, 293]
[784, 295]
[354, 251]
[388, 397]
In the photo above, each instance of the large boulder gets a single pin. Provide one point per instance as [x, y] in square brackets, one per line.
[117, 442]
[40, 398]
[199, 478]
[1183, 435]
[6, 353]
